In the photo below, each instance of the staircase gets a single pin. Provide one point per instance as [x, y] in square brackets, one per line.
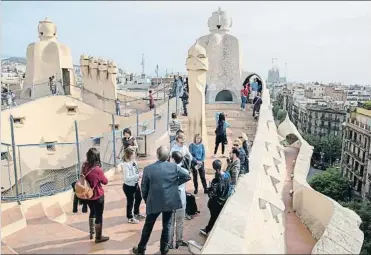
[240, 121]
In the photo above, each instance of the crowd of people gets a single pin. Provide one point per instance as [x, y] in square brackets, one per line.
[162, 185]
[255, 88]
[7, 97]
[180, 90]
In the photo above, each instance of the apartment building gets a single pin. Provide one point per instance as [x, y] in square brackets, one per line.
[356, 153]
[317, 119]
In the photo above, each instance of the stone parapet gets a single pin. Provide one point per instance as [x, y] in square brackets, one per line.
[251, 222]
[335, 227]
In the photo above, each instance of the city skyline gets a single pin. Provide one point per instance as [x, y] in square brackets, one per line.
[319, 41]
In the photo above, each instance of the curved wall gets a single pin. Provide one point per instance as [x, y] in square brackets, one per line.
[335, 227]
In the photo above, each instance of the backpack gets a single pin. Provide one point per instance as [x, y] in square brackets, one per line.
[227, 179]
[220, 129]
[191, 206]
[83, 189]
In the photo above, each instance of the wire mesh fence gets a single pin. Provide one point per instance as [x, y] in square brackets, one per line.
[34, 170]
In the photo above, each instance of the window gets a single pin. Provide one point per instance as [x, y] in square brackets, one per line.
[19, 120]
[96, 141]
[5, 156]
[50, 146]
[116, 126]
[47, 187]
[71, 108]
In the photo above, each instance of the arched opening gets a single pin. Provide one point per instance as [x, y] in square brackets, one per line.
[224, 96]
[250, 76]
[291, 138]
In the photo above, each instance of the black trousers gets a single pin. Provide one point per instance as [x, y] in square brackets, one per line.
[219, 140]
[215, 209]
[185, 108]
[201, 172]
[96, 208]
[133, 198]
[147, 230]
[255, 110]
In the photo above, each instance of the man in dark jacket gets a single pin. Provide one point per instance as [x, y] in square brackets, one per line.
[234, 166]
[160, 185]
[218, 194]
[257, 103]
[185, 98]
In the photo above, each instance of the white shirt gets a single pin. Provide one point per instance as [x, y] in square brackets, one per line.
[130, 172]
[183, 149]
[182, 190]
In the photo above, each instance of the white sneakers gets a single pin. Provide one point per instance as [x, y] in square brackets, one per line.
[133, 221]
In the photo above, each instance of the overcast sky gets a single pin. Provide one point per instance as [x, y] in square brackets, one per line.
[319, 41]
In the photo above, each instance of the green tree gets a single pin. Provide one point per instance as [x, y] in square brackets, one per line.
[332, 184]
[330, 145]
[367, 105]
[363, 209]
[281, 115]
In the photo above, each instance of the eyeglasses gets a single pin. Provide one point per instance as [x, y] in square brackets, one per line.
[235, 145]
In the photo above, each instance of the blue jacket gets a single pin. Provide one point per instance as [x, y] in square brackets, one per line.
[254, 86]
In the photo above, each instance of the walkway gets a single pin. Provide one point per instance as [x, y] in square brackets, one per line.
[298, 238]
[43, 236]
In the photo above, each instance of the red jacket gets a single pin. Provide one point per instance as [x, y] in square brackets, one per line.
[95, 178]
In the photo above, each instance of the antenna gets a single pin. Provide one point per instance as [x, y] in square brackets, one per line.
[142, 63]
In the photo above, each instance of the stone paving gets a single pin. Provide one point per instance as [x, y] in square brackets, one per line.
[44, 236]
[298, 238]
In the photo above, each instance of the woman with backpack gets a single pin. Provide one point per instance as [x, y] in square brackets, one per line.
[131, 186]
[221, 134]
[219, 191]
[94, 175]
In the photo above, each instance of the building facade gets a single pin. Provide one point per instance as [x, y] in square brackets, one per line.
[356, 153]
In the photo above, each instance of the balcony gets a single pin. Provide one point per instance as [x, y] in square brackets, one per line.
[359, 126]
[356, 157]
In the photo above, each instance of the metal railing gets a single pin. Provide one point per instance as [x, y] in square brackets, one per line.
[35, 170]
[127, 105]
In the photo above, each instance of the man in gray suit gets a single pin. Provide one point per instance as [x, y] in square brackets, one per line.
[160, 184]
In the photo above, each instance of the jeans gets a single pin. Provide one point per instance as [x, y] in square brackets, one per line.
[118, 111]
[201, 172]
[177, 225]
[215, 209]
[96, 208]
[147, 230]
[243, 102]
[132, 194]
[172, 138]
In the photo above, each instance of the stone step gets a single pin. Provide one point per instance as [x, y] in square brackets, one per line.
[222, 106]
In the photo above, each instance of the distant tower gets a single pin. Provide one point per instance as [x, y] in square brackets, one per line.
[142, 64]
